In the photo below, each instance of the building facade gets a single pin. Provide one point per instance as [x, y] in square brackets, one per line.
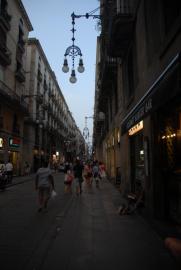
[139, 91]
[35, 121]
[14, 29]
[50, 129]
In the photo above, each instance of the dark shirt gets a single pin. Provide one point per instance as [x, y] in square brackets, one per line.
[78, 168]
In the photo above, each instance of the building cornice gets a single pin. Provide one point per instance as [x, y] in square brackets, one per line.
[25, 15]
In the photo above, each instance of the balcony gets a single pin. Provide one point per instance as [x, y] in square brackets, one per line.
[21, 46]
[120, 31]
[45, 85]
[20, 75]
[107, 75]
[12, 97]
[39, 76]
[5, 19]
[5, 55]
[19, 54]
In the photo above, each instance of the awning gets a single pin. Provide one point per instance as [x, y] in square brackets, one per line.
[163, 89]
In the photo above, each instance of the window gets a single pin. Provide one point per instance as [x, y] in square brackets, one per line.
[21, 32]
[3, 5]
[153, 30]
[171, 11]
[130, 74]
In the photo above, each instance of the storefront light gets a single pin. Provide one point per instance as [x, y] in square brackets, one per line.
[57, 153]
[169, 136]
[135, 128]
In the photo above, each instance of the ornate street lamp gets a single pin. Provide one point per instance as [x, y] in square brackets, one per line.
[74, 51]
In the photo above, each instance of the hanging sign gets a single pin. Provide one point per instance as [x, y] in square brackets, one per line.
[14, 142]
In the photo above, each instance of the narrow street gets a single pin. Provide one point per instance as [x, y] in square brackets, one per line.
[24, 231]
[78, 232]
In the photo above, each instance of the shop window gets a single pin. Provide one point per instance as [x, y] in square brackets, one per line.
[171, 143]
[152, 28]
[137, 162]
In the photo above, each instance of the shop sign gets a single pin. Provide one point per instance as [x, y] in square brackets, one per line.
[14, 142]
[135, 128]
[146, 107]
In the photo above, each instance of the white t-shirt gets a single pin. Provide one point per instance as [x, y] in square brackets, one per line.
[9, 167]
[43, 177]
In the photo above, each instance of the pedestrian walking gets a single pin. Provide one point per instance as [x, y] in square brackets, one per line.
[88, 174]
[102, 170]
[44, 183]
[96, 173]
[68, 181]
[2, 167]
[26, 168]
[78, 170]
[9, 171]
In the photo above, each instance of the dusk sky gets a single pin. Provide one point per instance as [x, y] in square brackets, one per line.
[52, 23]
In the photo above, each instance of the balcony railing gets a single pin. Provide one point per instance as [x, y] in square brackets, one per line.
[121, 25]
[5, 19]
[39, 76]
[21, 46]
[20, 75]
[10, 95]
[5, 55]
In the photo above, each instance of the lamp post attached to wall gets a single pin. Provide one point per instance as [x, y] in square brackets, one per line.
[74, 51]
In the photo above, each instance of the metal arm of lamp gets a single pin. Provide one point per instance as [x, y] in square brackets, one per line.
[74, 50]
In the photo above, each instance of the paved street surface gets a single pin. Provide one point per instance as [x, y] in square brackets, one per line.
[78, 232]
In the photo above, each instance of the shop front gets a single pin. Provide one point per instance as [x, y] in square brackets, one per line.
[137, 158]
[155, 149]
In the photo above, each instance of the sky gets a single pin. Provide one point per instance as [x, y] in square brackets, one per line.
[52, 24]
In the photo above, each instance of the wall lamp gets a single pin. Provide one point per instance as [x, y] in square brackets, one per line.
[74, 51]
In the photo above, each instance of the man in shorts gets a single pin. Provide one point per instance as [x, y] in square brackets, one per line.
[44, 183]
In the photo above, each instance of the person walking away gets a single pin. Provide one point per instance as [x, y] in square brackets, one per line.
[44, 183]
[26, 168]
[9, 171]
[88, 174]
[2, 167]
[95, 172]
[68, 181]
[102, 170]
[78, 170]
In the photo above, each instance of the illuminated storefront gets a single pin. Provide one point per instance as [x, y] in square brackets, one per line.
[137, 157]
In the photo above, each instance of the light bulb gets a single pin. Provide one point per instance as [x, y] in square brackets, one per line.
[65, 67]
[73, 78]
[81, 66]
[81, 69]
